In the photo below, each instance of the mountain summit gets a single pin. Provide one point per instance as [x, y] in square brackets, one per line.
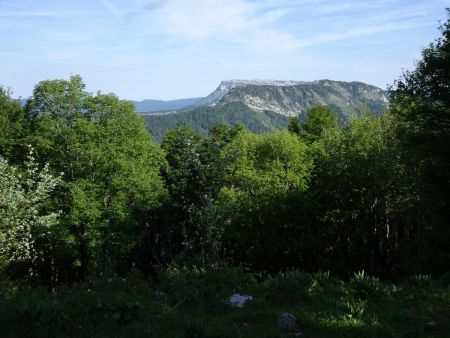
[226, 86]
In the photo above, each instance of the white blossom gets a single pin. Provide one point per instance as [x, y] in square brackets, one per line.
[23, 216]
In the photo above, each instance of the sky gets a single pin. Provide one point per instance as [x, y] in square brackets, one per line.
[169, 49]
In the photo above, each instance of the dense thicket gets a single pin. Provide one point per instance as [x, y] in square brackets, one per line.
[84, 190]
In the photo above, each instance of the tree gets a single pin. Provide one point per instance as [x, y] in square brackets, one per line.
[111, 171]
[263, 175]
[320, 118]
[13, 127]
[26, 218]
[294, 126]
[59, 98]
[420, 103]
[362, 199]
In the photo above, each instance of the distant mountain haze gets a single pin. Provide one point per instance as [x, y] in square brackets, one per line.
[146, 106]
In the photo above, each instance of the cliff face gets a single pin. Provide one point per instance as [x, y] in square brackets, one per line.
[346, 98]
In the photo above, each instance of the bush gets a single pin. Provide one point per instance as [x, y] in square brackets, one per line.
[368, 286]
[420, 280]
[289, 280]
[354, 308]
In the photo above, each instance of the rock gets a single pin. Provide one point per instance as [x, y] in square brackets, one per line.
[392, 288]
[431, 325]
[286, 321]
[238, 300]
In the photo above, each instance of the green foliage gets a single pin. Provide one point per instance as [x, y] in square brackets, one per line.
[420, 103]
[294, 126]
[354, 308]
[193, 284]
[290, 280]
[261, 173]
[202, 119]
[59, 98]
[367, 286]
[361, 198]
[420, 280]
[319, 119]
[132, 307]
[13, 125]
[110, 171]
[191, 179]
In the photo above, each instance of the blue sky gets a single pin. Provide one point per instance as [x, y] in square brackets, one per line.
[166, 49]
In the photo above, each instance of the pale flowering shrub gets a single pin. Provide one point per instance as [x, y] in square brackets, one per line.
[24, 217]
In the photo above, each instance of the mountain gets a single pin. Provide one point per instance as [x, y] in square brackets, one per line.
[263, 105]
[225, 88]
[346, 98]
[147, 106]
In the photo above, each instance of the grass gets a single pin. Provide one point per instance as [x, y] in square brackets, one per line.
[192, 303]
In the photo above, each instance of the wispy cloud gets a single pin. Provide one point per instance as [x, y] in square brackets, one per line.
[258, 25]
[154, 5]
[111, 8]
[25, 14]
[361, 32]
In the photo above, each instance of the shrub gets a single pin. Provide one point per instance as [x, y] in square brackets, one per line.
[354, 308]
[420, 280]
[367, 286]
[289, 280]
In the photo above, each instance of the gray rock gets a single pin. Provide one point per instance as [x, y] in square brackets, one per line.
[238, 300]
[392, 288]
[286, 321]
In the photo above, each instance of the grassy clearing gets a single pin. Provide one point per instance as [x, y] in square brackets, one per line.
[192, 303]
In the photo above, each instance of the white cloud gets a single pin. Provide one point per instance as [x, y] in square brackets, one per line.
[361, 31]
[249, 24]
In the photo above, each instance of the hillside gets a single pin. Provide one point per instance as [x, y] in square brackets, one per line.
[146, 106]
[266, 105]
[204, 117]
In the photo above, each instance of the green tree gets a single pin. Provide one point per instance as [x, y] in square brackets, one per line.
[111, 170]
[320, 118]
[420, 103]
[185, 181]
[294, 125]
[13, 127]
[262, 175]
[362, 197]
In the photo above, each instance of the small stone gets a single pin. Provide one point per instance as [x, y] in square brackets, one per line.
[431, 324]
[238, 300]
[392, 288]
[286, 321]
